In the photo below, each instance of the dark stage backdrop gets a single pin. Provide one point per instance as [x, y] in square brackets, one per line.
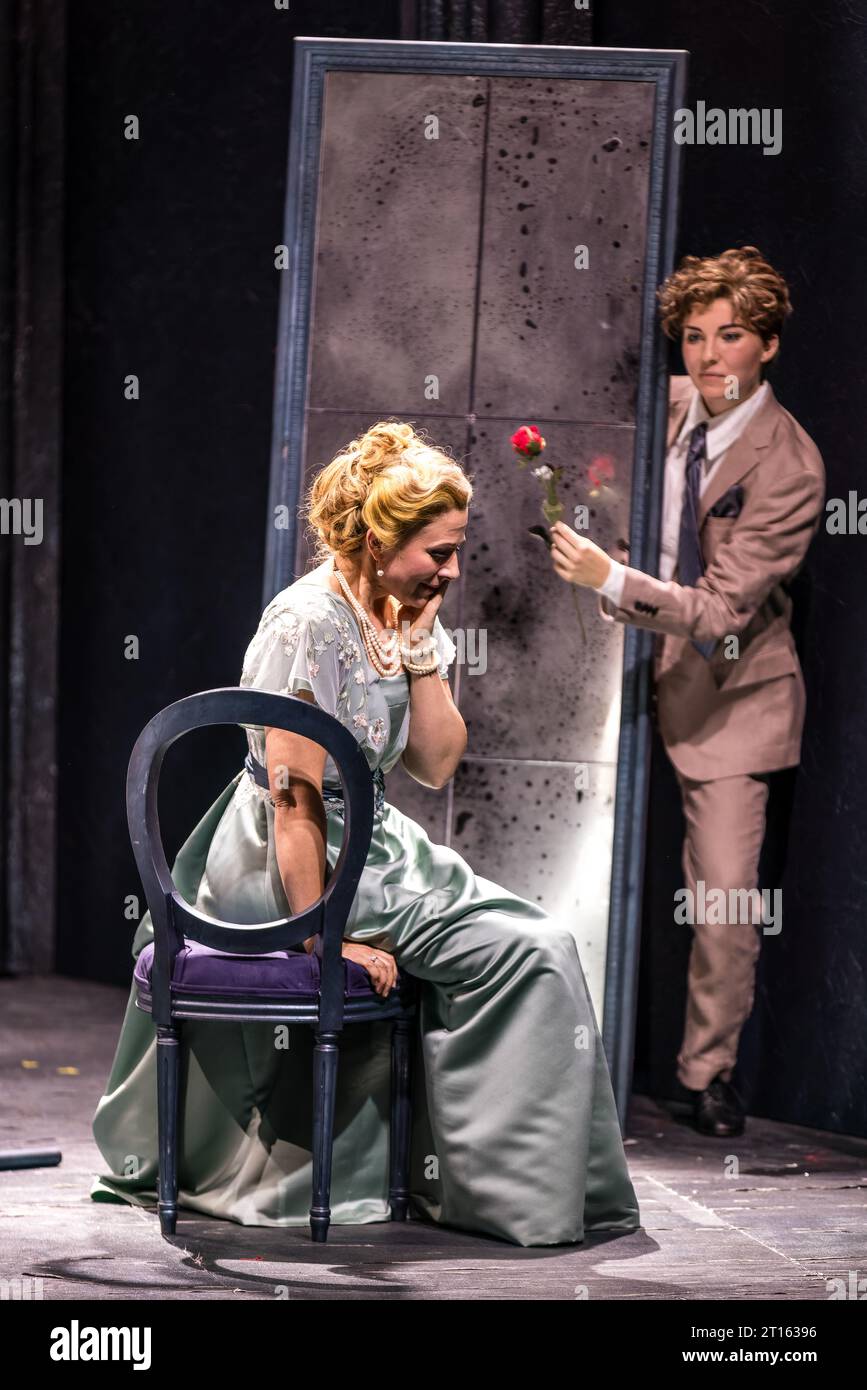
[803, 1052]
[170, 277]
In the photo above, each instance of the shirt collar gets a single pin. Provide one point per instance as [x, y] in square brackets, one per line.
[722, 430]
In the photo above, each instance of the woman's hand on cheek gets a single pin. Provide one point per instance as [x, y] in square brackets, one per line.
[419, 621]
[576, 558]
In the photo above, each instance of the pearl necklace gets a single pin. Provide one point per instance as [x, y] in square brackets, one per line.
[385, 658]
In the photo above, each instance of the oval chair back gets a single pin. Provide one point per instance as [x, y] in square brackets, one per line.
[174, 918]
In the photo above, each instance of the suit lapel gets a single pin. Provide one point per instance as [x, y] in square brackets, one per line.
[676, 416]
[746, 451]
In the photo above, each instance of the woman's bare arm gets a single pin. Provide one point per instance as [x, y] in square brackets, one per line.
[295, 767]
[437, 733]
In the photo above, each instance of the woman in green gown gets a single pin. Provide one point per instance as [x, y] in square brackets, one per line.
[515, 1132]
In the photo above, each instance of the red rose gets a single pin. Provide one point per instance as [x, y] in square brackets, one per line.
[527, 441]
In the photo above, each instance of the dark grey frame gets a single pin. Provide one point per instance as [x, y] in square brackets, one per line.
[666, 69]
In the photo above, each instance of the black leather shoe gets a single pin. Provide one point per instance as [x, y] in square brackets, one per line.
[718, 1110]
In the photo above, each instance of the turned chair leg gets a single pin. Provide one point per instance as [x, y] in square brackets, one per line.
[325, 1056]
[168, 1071]
[398, 1178]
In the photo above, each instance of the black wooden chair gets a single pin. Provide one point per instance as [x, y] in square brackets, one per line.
[194, 968]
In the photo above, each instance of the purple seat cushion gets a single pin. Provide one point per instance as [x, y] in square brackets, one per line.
[203, 970]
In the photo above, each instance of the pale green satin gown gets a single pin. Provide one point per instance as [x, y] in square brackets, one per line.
[515, 1131]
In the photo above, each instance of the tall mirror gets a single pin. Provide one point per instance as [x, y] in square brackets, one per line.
[474, 236]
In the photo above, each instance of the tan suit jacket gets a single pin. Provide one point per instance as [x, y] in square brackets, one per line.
[727, 715]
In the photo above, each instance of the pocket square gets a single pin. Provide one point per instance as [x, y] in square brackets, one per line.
[730, 503]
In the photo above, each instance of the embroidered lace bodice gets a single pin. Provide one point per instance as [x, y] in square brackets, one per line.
[308, 638]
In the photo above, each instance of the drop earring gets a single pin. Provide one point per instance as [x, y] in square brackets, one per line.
[380, 572]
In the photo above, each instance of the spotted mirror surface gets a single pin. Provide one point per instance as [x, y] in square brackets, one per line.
[474, 235]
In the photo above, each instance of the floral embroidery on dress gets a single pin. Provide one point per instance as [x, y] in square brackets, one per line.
[284, 622]
[377, 733]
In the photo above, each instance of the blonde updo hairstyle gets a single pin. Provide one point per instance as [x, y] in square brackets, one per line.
[759, 293]
[389, 480]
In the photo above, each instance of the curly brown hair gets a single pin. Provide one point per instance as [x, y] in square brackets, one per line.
[759, 293]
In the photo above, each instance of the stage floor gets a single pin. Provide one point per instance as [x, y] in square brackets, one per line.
[782, 1222]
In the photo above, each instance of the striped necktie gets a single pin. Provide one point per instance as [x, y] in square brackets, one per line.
[690, 562]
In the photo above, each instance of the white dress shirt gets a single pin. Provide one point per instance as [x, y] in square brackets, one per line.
[722, 431]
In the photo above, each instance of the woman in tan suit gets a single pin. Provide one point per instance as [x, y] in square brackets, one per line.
[743, 498]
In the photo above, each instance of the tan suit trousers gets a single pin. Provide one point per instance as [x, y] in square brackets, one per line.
[725, 826]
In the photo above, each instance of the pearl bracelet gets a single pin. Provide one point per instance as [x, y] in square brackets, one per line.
[418, 668]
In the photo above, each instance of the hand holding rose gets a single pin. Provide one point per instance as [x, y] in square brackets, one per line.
[576, 558]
